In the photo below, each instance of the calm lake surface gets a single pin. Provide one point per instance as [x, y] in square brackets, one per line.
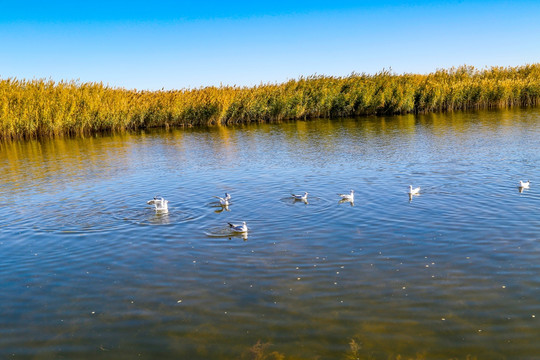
[90, 271]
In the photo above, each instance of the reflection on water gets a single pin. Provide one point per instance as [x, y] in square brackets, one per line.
[160, 218]
[452, 273]
[221, 208]
[346, 201]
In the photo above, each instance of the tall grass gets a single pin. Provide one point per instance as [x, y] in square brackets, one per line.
[31, 108]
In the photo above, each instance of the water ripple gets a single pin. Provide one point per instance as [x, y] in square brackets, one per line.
[93, 268]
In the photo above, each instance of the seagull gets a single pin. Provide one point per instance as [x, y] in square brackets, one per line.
[239, 228]
[160, 204]
[415, 191]
[524, 185]
[224, 201]
[154, 200]
[348, 197]
[300, 197]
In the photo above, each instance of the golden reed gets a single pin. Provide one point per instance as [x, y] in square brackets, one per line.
[34, 108]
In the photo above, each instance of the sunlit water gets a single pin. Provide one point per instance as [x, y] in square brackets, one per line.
[89, 270]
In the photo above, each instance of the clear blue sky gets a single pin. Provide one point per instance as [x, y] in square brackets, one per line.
[173, 45]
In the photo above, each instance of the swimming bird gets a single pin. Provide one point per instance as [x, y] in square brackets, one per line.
[239, 228]
[300, 197]
[348, 197]
[224, 201]
[415, 191]
[524, 185]
[160, 204]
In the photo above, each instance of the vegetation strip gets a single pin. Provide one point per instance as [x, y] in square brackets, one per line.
[36, 108]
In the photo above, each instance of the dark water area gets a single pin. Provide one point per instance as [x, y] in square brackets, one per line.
[89, 270]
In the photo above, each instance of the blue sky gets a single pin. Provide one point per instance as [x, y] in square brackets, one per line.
[173, 45]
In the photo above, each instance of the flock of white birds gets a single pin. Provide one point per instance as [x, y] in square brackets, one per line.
[161, 205]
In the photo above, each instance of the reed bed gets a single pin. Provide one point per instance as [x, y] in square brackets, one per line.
[36, 108]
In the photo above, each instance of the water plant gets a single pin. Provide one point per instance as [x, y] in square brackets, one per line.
[40, 107]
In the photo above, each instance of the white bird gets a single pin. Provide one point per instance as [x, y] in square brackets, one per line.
[160, 204]
[524, 185]
[348, 197]
[300, 197]
[414, 191]
[239, 228]
[224, 201]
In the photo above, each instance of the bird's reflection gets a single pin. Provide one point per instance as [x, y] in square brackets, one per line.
[222, 208]
[304, 201]
[160, 218]
[244, 236]
[346, 201]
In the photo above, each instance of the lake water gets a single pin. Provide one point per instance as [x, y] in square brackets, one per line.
[90, 271]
